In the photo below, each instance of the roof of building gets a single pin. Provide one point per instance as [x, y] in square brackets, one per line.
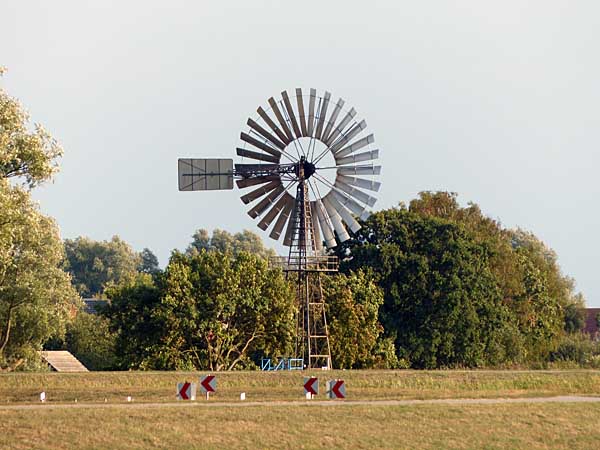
[92, 305]
[591, 321]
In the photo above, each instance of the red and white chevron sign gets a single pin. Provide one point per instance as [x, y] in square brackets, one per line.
[208, 383]
[311, 385]
[336, 389]
[186, 391]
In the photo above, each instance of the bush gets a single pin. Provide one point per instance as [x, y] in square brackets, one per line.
[577, 348]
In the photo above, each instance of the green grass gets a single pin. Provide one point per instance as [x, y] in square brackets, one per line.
[531, 426]
[269, 386]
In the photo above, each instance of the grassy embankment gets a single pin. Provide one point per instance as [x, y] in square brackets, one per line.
[532, 426]
[270, 386]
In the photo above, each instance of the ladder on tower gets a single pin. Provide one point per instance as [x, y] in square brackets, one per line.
[306, 263]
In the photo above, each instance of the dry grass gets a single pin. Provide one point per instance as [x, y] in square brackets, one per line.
[268, 386]
[531, 426]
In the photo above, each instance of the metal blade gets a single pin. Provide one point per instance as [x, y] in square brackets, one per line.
[283, 217]
[340, 127]
[280, 119]
[355, 193]
[265, 202]
[273, 212]
[258, 144]
[317, 235]
[251, 196]
[360, 182]
[336, 220]
[322, 115]
[363, 142]
[311, 111]
[343, 212]
[287, 240]
[256, 155]
[325, 227]
[359, 170]
[247, 182]
[349, 203]
[290, 111]
[262, 113]
[346, 138]
[353, 159]
[264, 133]
[332, 119]
[301, 113]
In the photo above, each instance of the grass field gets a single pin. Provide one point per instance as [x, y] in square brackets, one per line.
[268, 386]
[531, 426]
[304, 425]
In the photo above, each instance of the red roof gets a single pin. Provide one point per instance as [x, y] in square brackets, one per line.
[591, 321]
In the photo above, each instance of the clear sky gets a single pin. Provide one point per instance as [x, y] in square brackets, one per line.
[497, 101]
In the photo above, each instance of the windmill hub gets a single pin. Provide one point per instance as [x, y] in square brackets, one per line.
[308, 169]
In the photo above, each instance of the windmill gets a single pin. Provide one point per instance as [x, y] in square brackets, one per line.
[311, 162]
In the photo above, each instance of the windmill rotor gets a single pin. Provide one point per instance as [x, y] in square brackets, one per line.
[306, 137]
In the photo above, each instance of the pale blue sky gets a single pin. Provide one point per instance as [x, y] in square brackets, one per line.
[498, 101]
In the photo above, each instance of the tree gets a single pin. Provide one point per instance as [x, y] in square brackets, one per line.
[149, 262]
[575, 316]
[208, 310]
[225, 242]
[441, 302]
[29, 156]
[88, 338]
[482, 229]
[130, 312]
[353, 303]
[526, 270]
[217, 310]
[36, 297]
[93, 265]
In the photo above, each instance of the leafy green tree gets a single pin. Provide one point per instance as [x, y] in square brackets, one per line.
[482, 229]
[575, 316]
[353, 303]
[27, 156]
[217, 310]
[225, 242]
[209, 310]
[526, 271]
[88, 338]
[441, 301]
[36, 296]
[93, 265]
[130, 312]
[148, 263]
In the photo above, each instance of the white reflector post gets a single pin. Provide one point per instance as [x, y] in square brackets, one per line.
[205, 174]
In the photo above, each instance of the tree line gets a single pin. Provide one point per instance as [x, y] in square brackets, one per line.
[429, 284]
